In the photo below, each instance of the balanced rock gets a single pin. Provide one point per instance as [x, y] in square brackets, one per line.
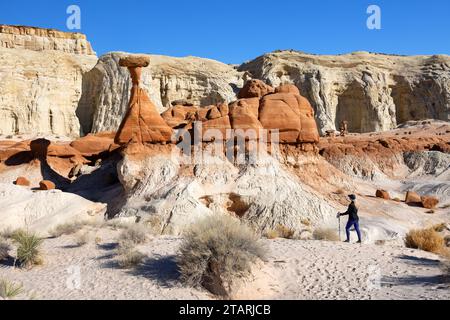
[46, 185]
[133, 61]
[255, 89]
[290, 114]
[429, 202]
[413, 198]
[22, 181]
[142, 122]
[383, 194]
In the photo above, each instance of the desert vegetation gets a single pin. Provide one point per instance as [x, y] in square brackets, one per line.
[216, 251]
[425, 239]
[4, 249]
[326, 234]
[280, 231]
[9, 290]
[127, 255]
[135, 233]
[28, 249]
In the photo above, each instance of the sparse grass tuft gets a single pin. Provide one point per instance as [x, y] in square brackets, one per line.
[440, 227]
[9, 290]
[4, 249]
[66, 229]
[28, 250]
[281, 231]
[326, 234]
[82, 238]
[127, 255]
[135, 233]
[425, 239]
[216, 251]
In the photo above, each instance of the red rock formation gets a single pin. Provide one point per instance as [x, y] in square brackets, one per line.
[383, 194]
[46, 185]
[22, 181]
[215, 121]
[429, 202]
[179, 115]
[95, 144]
[255, 89]
[244, 115]
[142, 122]
[413, 198]
[291, 114]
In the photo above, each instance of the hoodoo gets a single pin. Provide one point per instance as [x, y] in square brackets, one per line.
[142, 123]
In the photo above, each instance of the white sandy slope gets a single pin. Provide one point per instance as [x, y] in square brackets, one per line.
[40, 211]
[293, 270]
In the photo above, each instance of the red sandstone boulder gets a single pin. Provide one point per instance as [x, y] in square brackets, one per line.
[22, 181]
[291, 114]
[94, 144]
[288, 88]
[383, 194]
[255, 89]
[244, 116]
[215, 122]
[46, 185]
[179, 115]
[429, 202]
[413, 198]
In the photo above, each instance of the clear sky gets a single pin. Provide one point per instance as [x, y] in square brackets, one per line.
[234, 31]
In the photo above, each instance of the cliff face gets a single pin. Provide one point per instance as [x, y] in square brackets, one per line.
[200, 81]
[39, 39]
[40, 90]
[373, 92]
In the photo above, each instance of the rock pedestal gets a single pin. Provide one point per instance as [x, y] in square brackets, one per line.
[142, 123]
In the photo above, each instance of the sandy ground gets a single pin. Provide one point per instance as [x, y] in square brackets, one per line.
[293, 270]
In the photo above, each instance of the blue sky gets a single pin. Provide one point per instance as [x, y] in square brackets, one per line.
[234, 31]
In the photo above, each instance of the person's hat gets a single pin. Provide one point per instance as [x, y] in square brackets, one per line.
[352, 197]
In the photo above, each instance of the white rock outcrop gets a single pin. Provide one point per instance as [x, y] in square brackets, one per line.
[373, 92]
[42, 211]
[263, 193]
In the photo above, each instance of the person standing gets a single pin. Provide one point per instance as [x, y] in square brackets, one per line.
[353, 219]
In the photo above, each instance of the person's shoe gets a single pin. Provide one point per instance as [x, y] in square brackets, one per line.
[359, 241]
[348, 241]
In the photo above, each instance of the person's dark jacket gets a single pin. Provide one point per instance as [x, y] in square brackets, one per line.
[352, 212]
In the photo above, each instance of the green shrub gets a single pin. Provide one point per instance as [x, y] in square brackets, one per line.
[9, 290]
[28, 249]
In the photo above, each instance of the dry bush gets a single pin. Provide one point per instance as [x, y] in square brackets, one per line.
[11, 233]
[117, 224]
[285, 232]
[127, 255]
[28, 249]
[66, 229]
[326, 234]
[82, 238]
[440, 227]
[281, 231]
[4, 249]
[271, 234]
[9, 290]
[425, 239]
[306, 222]
[135, 233]
[216, 251]
[340, 191]
[154, 223]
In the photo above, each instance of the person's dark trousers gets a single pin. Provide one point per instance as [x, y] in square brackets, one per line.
[351, 223]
